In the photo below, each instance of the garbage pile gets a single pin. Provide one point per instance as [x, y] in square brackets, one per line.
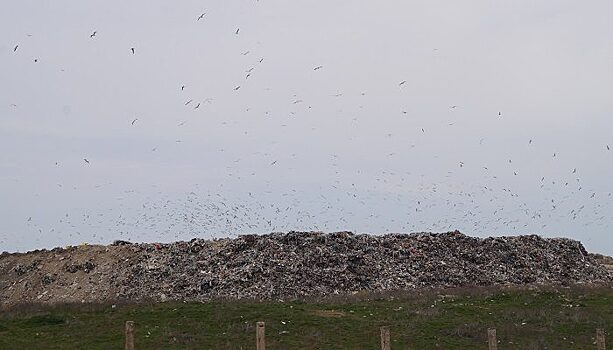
[292, 265]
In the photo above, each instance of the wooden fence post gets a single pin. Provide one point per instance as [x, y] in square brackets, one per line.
[600, 340]
[385, 338]
[491, 339]
[260, 336]
[129, 344]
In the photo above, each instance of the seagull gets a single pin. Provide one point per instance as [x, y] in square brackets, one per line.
[93, 34]
[134, 121]
[453, 107]
[574, 170]
[248, 75]
[608, 148]
[86, 161]
[237, 30]
[15, 49]
[201, 16]
[30, 219]
[318, 68]
[499, 114]
[197, 106]
[402, 83]
[188, 102]
[182, 87]
[273, 163]
[236, 88]
[132, 50]
[261, 59]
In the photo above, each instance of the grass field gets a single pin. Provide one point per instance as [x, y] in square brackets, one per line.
[450, 319]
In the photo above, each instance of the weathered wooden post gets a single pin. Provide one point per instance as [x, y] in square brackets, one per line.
[491, 339]
[385, 338]
[260, 336]
[129, 344]
[600, 340]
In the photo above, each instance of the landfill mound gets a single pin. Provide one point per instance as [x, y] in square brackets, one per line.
[291, 265]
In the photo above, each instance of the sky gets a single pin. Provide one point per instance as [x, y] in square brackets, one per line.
[492, 118]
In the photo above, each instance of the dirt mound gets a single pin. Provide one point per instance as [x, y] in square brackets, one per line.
[291, 265]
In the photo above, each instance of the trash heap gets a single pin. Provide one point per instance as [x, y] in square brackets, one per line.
[295, 265]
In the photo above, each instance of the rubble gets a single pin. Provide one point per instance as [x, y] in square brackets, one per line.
[292, 265]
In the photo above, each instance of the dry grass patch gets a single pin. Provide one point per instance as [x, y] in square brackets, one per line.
[329, 313]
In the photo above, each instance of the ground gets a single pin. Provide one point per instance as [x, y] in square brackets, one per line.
[527, 318]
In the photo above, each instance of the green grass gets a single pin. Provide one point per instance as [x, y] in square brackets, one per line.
[451, 319]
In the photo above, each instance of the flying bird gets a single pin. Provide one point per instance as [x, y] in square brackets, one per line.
[197, 106]
[132, 50]
[134, 121]
[86, 161]
[182, 87]
[236, 88]
[15, 49]
[201, 16]
[273, 163]
[318, 67]
[402, 83]
[93, 34]
[237, 30]
[608, 148]
[188, 102]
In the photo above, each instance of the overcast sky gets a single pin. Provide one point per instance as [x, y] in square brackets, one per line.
[493, 118]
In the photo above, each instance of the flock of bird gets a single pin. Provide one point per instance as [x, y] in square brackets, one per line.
[402, 200]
